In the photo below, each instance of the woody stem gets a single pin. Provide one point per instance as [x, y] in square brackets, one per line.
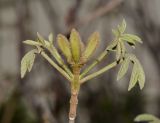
[75, 86]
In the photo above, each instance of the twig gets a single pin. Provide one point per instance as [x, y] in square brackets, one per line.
[90, 67]
[55, 66]
[106, 68]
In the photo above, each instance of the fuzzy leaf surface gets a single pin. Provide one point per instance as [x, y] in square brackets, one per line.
[123, 69]
[75, 45]
[64, 46]
[27, 62]
[92, 45]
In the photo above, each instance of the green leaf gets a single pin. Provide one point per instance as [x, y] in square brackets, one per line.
[47, 44]
[112, 46]
[131, 38]
[116, 33]
[123, 69]
[146, 118]
[40, 39]
[33, 43]
[141, 77]
[64, 46]
[50, 38]
[122, 27]
[27, 62]
[134, 77]
[92, 45]
[75, 45]
[118, 51]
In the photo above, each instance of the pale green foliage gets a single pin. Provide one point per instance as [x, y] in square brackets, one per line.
[123, 69]
[33, 43]
[91, 45]
[64, 46]
[50, 38]
[118, 45]
[137, 73]
[147, 118]
[40, 39]
[78, 54]
[27, 62]
[75, 45]
[112, 46]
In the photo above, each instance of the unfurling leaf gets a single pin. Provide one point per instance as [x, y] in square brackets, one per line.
[147, 118]
[123, 69]
[64, 46]
[33, 43]
[122, 27]
[40, 39]
[50, 38]
[141, 77]
[47, 43]
[75, 45]
[115, 32]
[27, 62]
[92, 45]
[112, 46]
[131, 38]
[134, 77]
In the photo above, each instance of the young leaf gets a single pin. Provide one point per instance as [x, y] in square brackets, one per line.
[92, 45]
[112, 46]
[115, 32]
[141, 77]
[40, 38]
[64, 46]
[118, 51]
[33, 43]
[122, 27]
[123, 69]
[50, 38]
[27, 62]
[146, 118]
[75, 45]
[140, 71]
[134, 77]
[131, 38]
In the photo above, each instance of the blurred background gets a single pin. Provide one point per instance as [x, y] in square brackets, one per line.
[43, 95]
